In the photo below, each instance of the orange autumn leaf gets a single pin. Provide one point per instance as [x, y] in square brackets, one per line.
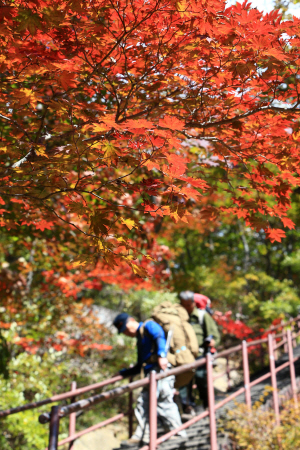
[67, 80]
[172, 123]
[288, 223]
[275, 234]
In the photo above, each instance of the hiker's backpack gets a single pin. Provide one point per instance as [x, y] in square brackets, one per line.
[183, 345]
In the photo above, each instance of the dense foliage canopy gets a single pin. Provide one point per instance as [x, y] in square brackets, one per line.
[101, 103]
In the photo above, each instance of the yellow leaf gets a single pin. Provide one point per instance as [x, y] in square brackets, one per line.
[110, 154]
[35, 70]
[182, 8]
[129, 223]
[296, 135]
[24, 96]
[80, 261]
[140, 271]
[128, 258]
[99, 127]
[100, 245]
[121, 241]
[41, 151]
[175, 216]
[150, 258]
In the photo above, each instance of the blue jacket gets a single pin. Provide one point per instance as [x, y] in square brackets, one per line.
[153, 342]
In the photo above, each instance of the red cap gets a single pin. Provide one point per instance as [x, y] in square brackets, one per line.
[201, 301]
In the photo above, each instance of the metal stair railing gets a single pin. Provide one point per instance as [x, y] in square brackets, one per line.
[57, 412]
[81, 405]
[56, 398]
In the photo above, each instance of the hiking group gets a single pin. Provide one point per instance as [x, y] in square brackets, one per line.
[176, 334]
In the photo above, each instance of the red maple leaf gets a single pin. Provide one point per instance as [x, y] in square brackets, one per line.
[172, 123]
[67, 80]
[288, 223]
[275, 234]
[43, 225]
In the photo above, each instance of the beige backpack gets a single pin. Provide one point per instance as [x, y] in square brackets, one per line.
[183, 345]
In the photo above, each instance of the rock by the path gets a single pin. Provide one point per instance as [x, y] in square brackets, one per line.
[236, 376]
[102, 439]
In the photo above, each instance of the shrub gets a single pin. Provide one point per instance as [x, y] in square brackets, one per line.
[256, 430]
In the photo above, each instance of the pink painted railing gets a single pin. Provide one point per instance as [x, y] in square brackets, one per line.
[57, 412]
[56, 398]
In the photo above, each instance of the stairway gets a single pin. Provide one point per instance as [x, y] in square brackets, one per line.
[199, 434]
[198, 438]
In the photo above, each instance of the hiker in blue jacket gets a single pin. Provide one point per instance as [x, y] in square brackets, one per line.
[151, 355]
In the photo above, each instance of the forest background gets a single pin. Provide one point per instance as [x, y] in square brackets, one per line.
[51, 291]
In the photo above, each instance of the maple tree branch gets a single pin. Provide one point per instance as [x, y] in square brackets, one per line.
[38, 198]
[125, 33]
[215, 139]
[137, 84]
[107, 249]
[242, 116]
[41, 125]
[139, 114]
[79, 192]
[109, 202]
[23, 160]
[16, 125]
[117, 205]
[70, 223]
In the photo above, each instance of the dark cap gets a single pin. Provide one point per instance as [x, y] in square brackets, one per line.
[186, 296]
[120, 322]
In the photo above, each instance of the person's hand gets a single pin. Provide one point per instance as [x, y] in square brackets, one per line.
[212, 343]
[162, 362]
[117, 374]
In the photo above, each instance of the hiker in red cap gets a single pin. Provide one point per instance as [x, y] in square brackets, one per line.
[198, 308]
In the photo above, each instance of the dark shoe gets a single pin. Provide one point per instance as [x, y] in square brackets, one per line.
[189, 410]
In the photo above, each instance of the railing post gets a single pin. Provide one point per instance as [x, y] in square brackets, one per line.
[261, 355]
[228, 373]
[284, 337]
[275, 351]
[153, 410]
[285, 346]
[211, 403]
[246, 374]
[72, 420]
[293, 339]
[130, 411]
[54, 428]
[292, 367]
[273, 379]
